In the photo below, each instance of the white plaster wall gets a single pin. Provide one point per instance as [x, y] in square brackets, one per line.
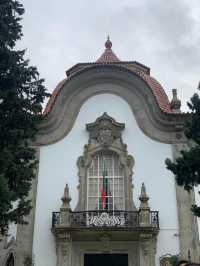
[58, 166]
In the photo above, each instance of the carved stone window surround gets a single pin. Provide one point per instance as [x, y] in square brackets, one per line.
[105, 137]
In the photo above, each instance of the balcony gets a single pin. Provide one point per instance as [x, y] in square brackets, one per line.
[106, 219]
[116, 225]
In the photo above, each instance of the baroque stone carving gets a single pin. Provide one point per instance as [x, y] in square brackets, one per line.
[106, 220]
[105, 130]
[105, 136]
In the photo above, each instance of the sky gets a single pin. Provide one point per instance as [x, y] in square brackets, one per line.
[163, 35]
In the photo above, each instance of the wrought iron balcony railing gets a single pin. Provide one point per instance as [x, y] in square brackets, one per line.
[106, 219]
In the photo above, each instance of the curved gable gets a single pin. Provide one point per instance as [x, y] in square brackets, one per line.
[156, 88]
[145, 96]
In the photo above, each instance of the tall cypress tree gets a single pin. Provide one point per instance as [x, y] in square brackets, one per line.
[21, 96]
[186, 168]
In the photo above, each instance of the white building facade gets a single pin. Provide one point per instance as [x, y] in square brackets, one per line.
[108, 129]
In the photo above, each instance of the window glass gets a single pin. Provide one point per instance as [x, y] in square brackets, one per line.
[105, 183]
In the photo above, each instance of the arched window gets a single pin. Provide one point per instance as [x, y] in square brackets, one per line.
[105, 183]
[10, 260]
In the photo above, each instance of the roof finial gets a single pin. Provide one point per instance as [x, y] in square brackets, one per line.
[143, 197]
[66, 198]
[108, 55]
[175, 102]
[108, 43]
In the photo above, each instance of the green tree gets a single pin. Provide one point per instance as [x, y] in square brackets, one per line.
[186, 168]
[21, 96]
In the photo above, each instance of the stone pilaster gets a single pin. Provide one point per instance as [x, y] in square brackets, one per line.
[147, 250]
[63, 239]
[64, 250]
[188, 229]
[147, 247]
[24, 239]
[23, 245]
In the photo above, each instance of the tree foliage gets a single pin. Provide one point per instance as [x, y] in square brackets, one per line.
[186, 168]
[21, 96]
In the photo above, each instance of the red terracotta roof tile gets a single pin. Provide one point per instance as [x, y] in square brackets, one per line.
[159, 93]
[109, 58]
[155, 86]
[53, 97]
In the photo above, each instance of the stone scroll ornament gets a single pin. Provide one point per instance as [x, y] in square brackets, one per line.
[104, 219]
[105, 130]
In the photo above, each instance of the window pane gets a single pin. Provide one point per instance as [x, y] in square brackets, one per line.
[92, 203]
[117, 167]
[113, 186]
[93, 169]
[93, 187]
[119, 204]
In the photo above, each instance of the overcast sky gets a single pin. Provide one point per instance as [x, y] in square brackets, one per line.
[162, 34]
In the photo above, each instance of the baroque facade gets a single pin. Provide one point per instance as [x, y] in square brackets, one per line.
[108, 128]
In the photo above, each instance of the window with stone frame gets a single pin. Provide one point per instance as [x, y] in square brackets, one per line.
[115, 183]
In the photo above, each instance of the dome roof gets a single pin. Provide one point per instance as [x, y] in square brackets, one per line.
[109, 58]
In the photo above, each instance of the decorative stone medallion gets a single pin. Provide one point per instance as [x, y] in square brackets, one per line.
[105, 130]
[104, 219]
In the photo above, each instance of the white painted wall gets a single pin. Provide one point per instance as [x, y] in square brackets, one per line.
[58, 166]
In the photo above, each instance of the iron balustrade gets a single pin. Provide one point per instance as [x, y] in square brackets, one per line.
[106, 218]
[154, 219]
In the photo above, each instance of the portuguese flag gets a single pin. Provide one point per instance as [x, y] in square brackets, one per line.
[104, 192]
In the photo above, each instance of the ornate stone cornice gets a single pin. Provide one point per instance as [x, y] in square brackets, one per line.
[158, 125]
